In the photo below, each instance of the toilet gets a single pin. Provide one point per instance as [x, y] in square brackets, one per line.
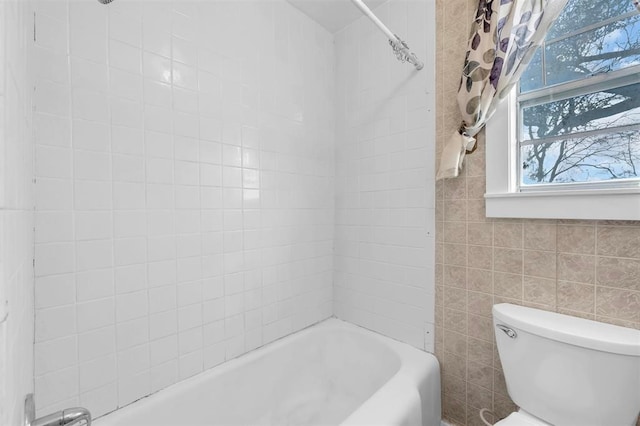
[567, 371]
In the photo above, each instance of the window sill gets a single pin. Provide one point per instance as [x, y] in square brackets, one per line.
[601, 204]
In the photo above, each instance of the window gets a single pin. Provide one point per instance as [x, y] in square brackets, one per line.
[573, 124]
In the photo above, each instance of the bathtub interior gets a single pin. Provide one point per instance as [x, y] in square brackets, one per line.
[318, 379]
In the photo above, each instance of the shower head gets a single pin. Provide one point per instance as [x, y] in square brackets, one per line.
[105, 1]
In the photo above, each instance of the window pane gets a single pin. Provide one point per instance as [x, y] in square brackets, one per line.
[531, 79]
[604, 109]
[582, 13]
[608, 48]
[589, 159]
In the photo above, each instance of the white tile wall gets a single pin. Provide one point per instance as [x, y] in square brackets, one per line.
[384, 241]
[184, 195]
[16, 213]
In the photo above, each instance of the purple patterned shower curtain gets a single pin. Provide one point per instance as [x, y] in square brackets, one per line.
[505, 36]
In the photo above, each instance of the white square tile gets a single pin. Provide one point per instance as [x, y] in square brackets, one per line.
[162, 299]
[189, 317]
[97, 373]
[156, 32]
[185, 26]
[53, 162]
[52, 98]
[184, 76]
[55, 323]
[163, 324]
[126, 112]
[186, 149]
[91, 165]
[161, 248]
[186, 173]
[88, 16]
[129, 223]
[213, 309]
[127, 140]
[55, 355]
[190, 364]
[52, 34]
[132, 333]
[159, 171]
[164, 350]
[131, 278]
[57, 386]
[55, 290]
[187, 197]
[95, 314]
[131, 306]
[185, 100]
[185, 125]
[157, 93]
[125, 57]
[189, 293]
[163, 375]
[190, 341]
[53, 194]
[125, 29]
[162, 273]
[91, 135]
[128, 195]
[102, 400]
[156, 68]
[159, 144]
[53, 226]
[54, 258]
[189, 269]
[88, 44]
[189, 245]
[183, 51]
[94, 284]
[51, 130]
[129, 251]
[94, 254]
[188, 221]
[132, 388]
[210, 152]
[96, 343]
[90, 105]
[160, 223]
[88, 75]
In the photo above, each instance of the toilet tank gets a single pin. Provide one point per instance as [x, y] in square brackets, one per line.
[569, 371]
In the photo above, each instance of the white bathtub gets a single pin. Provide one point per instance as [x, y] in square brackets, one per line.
[329, 374]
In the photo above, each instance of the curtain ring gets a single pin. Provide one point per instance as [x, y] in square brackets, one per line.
[462, 131]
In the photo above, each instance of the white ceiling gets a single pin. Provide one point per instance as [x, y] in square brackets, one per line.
[332, 14]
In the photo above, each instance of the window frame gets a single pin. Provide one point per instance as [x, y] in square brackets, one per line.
[504, 198]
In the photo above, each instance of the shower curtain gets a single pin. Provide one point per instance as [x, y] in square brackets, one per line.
[505, 36]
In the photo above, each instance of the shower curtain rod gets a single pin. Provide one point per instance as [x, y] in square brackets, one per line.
[400, 47]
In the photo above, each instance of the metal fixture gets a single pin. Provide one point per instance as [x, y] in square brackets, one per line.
[399, 46]
[66, 417]
[508, 331]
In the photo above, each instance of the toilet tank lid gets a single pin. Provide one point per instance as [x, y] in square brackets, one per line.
[564, 328]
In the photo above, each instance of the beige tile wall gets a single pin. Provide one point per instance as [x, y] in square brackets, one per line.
[584, 268]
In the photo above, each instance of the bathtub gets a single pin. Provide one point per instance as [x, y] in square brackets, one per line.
[329, 374]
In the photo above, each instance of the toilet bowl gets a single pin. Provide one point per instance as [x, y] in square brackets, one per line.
[567, 371]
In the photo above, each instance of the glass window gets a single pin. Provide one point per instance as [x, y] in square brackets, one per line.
[579, 100]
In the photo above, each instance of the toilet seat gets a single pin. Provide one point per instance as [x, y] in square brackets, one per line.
[521, 418]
